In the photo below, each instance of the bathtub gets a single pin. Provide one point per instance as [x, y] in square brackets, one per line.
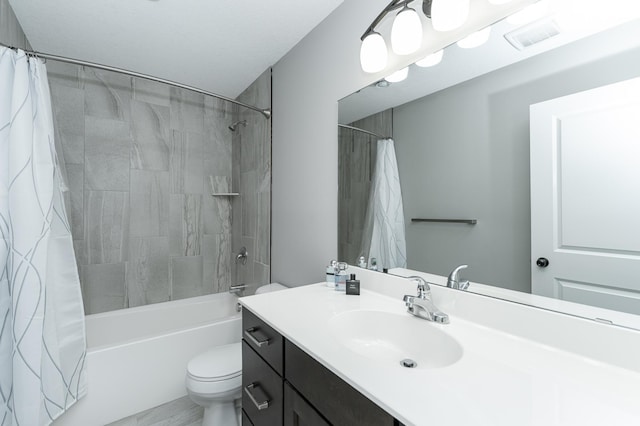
[137, 357]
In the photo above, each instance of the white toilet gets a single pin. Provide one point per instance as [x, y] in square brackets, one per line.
[214, 379]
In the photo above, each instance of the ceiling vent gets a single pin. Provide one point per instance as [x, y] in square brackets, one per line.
[533, 33]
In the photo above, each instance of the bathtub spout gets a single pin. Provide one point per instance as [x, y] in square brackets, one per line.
[237, 289]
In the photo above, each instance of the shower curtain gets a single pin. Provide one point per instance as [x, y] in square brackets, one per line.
[384, 234]
[42, 336]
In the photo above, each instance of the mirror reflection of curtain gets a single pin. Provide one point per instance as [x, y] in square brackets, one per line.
[383, 237]
[42, 337]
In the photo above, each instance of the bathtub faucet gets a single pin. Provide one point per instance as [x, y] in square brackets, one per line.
[242, 256]
[237, 289]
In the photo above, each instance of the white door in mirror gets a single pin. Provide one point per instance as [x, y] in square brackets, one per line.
[585, 197]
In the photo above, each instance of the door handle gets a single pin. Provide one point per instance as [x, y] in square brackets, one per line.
[542, 262]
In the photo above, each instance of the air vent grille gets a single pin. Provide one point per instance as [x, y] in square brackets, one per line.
[533, 33]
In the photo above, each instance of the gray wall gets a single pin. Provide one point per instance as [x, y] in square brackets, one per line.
[139, 156]
[464, 153]
[356, 163]
[11, 33]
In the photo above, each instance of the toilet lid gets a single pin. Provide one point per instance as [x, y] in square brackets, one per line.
[219, 363]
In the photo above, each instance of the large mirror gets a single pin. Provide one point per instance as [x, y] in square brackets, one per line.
[462, 132]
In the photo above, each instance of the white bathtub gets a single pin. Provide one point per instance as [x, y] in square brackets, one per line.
[137, 358]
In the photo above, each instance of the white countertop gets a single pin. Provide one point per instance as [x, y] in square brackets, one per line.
[501, 379]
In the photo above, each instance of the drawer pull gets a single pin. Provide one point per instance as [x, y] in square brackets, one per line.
[259, 405]
[259, 343]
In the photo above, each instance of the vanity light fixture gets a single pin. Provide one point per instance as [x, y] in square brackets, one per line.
[406, 32]
[475, 39]
[431, 60]
[398, 76]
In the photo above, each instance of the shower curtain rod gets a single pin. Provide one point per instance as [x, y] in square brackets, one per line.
[357, 129]
[265, 112]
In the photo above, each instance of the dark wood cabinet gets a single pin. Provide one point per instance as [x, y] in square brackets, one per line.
[283, 385]
[298, 412]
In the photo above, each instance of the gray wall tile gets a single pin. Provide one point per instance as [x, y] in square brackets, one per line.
[148, 271]
[103, 287]
[186, 165]
[185, 224]
[216, 250]
[75, 182]
[187, 110]
[139, 156]
[106, 226]
[151, 137]
[151, 92]
[106, 155]
[107, 94]
[149, 197]
[186, 277]
[68, 112]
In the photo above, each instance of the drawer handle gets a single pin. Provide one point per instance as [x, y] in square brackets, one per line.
[259, 405]
[259, 343]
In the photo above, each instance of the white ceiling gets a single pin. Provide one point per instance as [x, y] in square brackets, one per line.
[217, 45]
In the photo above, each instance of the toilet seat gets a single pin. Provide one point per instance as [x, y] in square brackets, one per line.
[219, 370]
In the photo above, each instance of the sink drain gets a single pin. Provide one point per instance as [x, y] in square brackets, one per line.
[408, 363]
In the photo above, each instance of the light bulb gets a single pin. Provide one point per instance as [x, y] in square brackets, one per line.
[475, 39]
[431, 60]
[406, 32]
[398, 76]
[447, 15]
[373, 53]
[499, 1]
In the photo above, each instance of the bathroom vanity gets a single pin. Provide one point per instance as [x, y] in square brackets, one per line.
[315, 356]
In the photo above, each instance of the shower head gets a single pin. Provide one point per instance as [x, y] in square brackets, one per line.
[235, 125]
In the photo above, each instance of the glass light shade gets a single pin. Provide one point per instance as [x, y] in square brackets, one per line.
[431, 60]
[406, 32]
[373, 53]
[398, 76]
[447, 15]
[475, 39]
[499, 1]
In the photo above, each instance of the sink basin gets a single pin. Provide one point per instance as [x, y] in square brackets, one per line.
[392, 338]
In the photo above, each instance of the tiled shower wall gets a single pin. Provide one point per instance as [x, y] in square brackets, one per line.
[141, 159]
[356, 161]
[252, 179]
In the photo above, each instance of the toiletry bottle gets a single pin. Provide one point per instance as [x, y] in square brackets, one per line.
[331, 272]
[373, 264]
[353, 285]
[341, 276]
[362, 262]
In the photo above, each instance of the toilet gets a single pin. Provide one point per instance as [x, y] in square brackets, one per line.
[214, 379]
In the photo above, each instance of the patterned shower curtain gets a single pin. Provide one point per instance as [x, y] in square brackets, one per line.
[42, 336]
[384, 234]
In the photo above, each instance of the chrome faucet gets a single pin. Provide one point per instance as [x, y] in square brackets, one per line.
[454, 279]
[422, 306]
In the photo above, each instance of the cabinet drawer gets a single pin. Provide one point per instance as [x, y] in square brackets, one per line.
[334, 398]
[262, 398]
[298, 412]
[245, 419]
[267, 342]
